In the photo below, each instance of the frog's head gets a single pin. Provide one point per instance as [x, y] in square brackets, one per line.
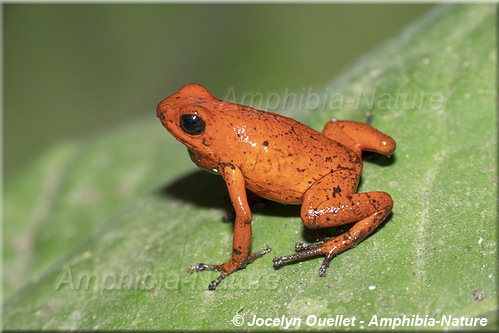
[187, 114]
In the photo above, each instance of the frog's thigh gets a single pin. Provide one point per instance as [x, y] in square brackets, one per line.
[332, 201]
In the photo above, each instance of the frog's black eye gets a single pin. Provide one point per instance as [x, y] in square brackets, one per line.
[192, 124]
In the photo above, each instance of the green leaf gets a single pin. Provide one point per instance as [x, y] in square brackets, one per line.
[432, 88]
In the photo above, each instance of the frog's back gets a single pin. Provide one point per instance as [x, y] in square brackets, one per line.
[281, 157]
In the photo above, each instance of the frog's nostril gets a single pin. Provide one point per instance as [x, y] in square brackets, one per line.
[161, 115]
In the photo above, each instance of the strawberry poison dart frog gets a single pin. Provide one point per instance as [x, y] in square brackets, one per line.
[282, 160]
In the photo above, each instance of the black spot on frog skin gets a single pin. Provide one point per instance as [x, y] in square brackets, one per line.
[336, 190]
[265, 143]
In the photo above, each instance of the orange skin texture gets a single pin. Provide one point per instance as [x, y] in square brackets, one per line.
[282, 160]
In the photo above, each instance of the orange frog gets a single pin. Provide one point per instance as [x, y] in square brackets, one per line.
[282, 160]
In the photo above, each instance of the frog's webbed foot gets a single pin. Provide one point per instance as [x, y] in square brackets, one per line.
[307, 251]
[228, 268]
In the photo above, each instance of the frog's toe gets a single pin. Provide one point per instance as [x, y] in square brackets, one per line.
[213, 284]
[305, 247]
[307, 252]
[206, 267]
[325, 264]
[257, 255]
[203, 267]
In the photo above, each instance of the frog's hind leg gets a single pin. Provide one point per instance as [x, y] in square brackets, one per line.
[323, 207]
[359, 136]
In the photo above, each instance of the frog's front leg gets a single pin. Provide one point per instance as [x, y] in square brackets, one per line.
[330, 203]
[241, 243]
